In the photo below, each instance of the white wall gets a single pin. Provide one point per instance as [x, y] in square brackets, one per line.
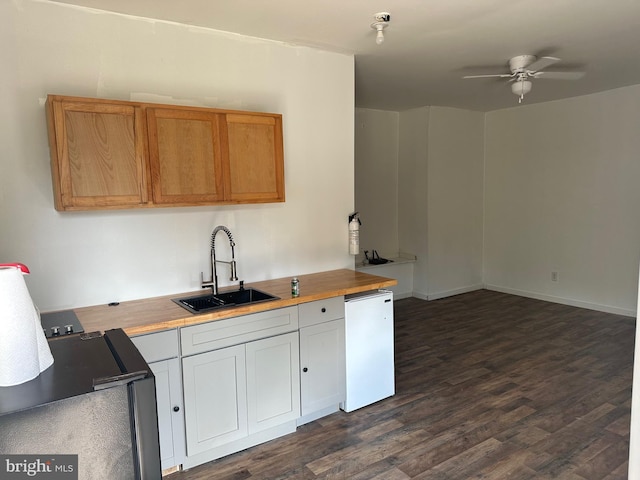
[398, 270]
[562, 195]
[85, 258]
[440, 198]
[412, 192]
[454, 200]
[376, 179]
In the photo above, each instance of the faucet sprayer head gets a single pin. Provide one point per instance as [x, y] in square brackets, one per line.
[225, 230]
[232, 262]
[234, 275]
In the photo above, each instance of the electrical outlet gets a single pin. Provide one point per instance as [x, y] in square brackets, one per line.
[555, 276]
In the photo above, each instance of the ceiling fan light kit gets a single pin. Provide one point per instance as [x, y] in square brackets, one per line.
[521, 88]
[381, 22]
[525, 68]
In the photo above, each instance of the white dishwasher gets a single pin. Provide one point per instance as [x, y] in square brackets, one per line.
[369, 348]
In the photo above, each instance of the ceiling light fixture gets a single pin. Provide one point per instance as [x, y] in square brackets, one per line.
[382, 22]
[521, 87]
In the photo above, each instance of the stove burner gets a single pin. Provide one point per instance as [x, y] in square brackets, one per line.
[59, 324]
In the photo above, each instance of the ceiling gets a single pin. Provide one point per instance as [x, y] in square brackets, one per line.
[430, 45]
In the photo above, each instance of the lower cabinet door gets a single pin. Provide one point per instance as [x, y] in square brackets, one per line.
[322, 360]
[273, 381]
[170, 412]
[215, 397]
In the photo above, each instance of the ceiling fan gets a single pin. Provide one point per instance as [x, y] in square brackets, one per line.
[524, 68]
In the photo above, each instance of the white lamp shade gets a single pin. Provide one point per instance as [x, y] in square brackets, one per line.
[24, 351]
[521, 87]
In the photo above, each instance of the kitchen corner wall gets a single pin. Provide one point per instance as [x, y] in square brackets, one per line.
[454, 201]
[376, 177]
[440, 210]
[86, 258]
[436, 155]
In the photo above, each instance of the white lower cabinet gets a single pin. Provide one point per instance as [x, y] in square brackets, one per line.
[273, 382]
[322, 360]
[161, 351]
[215, 395]
[234, 394]
[226, 385]
[170, 418]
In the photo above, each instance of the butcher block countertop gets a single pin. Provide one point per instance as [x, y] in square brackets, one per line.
[160, 313]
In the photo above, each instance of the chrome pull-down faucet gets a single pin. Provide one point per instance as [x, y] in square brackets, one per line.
[213, 283]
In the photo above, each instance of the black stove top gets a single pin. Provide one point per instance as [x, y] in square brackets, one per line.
[58, 324]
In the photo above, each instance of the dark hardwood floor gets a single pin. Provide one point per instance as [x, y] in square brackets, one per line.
[489, 386]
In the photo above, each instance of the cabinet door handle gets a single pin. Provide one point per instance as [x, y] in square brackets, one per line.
[176, 408]
[323, 310]
[305, 369]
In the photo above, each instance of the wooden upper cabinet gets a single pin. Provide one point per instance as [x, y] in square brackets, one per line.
[184, 156]
[256, 166]
[97, 153]
[117, 154]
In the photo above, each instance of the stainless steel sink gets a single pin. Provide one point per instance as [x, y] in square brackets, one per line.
[233, 298]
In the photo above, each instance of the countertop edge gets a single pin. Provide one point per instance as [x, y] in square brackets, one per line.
[313, 288]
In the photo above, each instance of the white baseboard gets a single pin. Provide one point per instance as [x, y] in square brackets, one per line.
[524, 293]
[316, 415]
[398, 296]
[563, 301]
[457, 291]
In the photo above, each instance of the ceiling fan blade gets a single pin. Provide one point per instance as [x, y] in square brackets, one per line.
[559, 75]
[500, 75]
[541, 63]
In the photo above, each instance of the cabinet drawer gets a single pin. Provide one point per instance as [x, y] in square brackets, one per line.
[321, 311]
[157, 346]
[233, 331]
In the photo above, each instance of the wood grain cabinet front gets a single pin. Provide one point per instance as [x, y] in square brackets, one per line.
[97, 153]
[185, 156]
[117, 154]
[255, 158]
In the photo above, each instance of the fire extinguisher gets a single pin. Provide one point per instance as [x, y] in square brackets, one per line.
[354, 233]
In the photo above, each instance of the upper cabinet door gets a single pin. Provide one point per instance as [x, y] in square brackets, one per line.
[184, 156]
[255, 154]
[117, 154]
[97, 154]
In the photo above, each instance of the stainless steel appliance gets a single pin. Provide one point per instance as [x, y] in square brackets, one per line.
[96, 401]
